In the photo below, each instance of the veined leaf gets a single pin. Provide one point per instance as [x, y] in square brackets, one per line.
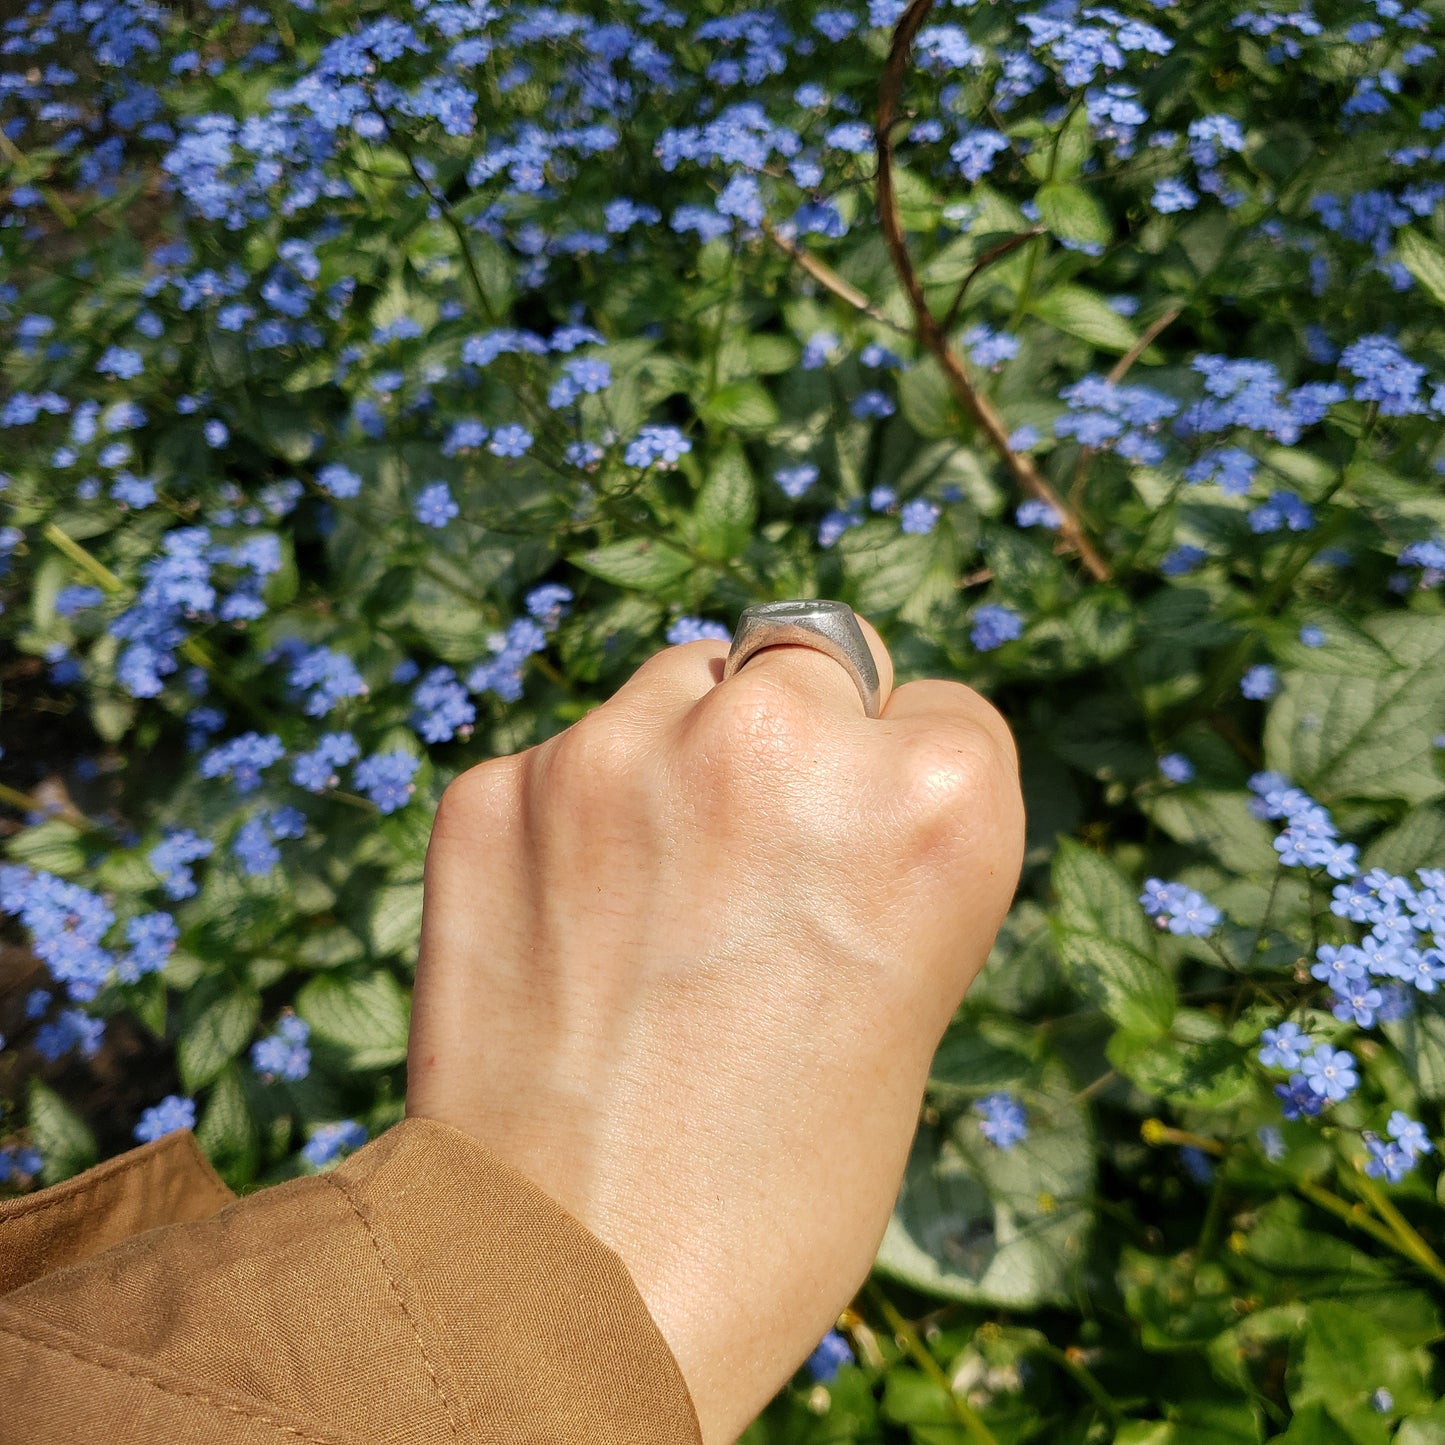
[1350, 736]
[727, 506]
[63, 1138]
[1104, 941]
[216, 1022]
[1080, 312]
[1005, 1227]
[1074, 214]
[365, 1017]
[1424, 260]
[638, 562]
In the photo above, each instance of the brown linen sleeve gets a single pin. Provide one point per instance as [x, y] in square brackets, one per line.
[169, 1181]
[423, 1290]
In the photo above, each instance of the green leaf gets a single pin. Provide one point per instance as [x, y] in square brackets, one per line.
[329, 947]
[1424, 260]
[1021, 969]
[768, 354]
[53, 846]
[454, 628]
[1314, 1425]
[242, 913]
[1195, 1065]
[1424, 1429]
[66, 1144]
[727, 506]
[1348, 736]
[1417, 841]
[112, 714]
[1058, 156]
[1074, 214]
[366, 1018]
[1195, 1422]
[638, 562]
[884, 566]
[1346, 1358]
[1220, 823]
[1420, 1039]
[1004, 1227]
[1101, 735]
[393, 925]
[225, 1129]
[1178, 1302]
[1077, 311]
[1103, 624]
[911, 1398]
[741, 406]
[1105, 943]
[217, 1020]
[927, 400]
[1098, 628]
[148, 1001]
[408, 830]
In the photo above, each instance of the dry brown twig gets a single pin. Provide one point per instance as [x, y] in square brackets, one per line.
[1146, 340]
[1117, 373]
[931, 335]
[830, 280]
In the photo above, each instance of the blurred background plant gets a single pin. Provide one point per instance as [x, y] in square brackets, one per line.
[385, 382]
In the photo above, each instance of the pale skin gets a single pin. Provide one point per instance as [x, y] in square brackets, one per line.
[685, 965]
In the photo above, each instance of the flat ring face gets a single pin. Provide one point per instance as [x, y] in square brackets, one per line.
[826, 627]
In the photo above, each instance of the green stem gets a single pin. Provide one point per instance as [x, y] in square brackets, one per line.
[20, 161]
[1264, 921]
[27, 804]
[1409, 1238]
[1356, 1216]
[1082, 1377]
[908, 1338]
[455, 226]
[90, 564]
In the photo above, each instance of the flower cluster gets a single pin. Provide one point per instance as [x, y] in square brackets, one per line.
[68, 924]
[1003, 1121]
[1178, 908]
[284, 1054]
[172, 1113]
[329, 1141]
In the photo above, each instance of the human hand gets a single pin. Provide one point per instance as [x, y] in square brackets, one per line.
[685, 966]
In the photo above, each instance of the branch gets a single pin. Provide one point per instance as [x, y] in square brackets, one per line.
[930, 334]
[1116, 374]
[1151, 331]
[994, 253]
[830, 280]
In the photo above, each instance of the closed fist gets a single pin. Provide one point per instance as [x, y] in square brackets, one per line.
[685, 966]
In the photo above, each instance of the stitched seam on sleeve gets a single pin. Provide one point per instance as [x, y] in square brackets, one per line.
[401, 1300]
[166, 1388]
[28, 1211]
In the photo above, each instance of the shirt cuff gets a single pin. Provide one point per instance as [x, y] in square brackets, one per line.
[423, 1289]
[169, 1181]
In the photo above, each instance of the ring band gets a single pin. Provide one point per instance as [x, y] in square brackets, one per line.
[826, 627]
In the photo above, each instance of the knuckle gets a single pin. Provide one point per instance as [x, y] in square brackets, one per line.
[474, 798]
[740, 728]
[943, 771]
[960, 785]
[975, 711]
[593, 753]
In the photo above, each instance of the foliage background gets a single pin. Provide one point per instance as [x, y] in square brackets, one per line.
[385, 382]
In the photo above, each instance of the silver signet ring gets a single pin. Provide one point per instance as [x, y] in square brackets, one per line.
[827, 627]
